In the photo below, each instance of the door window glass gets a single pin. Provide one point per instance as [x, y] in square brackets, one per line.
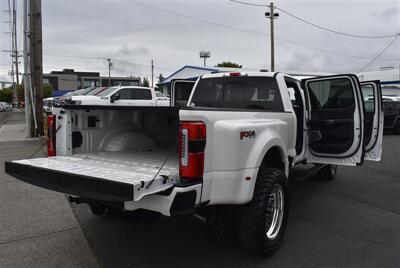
[125, 94]
[331, 94]
[140, 94]
[369, 99]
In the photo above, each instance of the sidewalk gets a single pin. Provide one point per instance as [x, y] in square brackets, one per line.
[37, 227]
[13, 127]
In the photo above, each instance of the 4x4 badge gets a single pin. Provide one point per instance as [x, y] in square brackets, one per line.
[248, 134]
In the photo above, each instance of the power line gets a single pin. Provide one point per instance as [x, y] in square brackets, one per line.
[380, 53]
[193, 18]
[313, 24]
[249, 4]
[246, 31]
[333, 31]
[104, 58]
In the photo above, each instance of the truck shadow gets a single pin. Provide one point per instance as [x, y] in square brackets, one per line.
[123, 241]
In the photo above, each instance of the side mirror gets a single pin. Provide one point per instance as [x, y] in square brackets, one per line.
[114, 97]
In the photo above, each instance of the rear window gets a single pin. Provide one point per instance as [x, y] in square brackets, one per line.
[258, 93]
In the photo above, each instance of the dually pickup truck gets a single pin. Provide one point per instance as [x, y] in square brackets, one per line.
[226, 155]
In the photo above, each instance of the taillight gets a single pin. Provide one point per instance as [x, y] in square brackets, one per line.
[192, 142]
[51, 135]
[234, 74]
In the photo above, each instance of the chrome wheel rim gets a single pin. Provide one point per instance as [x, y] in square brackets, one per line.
[275, 209]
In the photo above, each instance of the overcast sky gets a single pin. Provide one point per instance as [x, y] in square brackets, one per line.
[131, 35]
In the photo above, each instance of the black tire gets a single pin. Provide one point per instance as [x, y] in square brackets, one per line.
[221, 223]
[327, 173]
[98, 210]
[252, 218]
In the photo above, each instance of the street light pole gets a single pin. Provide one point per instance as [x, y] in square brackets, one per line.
[152, 73]
[272, 15]
[109, 72]
[205, 55]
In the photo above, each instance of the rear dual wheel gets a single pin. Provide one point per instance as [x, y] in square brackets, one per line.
[259, 225]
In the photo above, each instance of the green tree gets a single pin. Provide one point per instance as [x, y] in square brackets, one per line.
[160, 78]
[47, 91]
[21, 93]
[228, 64]
[6, 94]
[145, 82]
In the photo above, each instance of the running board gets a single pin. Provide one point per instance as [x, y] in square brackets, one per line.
[306, 174]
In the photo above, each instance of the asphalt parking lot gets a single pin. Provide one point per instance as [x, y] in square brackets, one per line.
[353, 221]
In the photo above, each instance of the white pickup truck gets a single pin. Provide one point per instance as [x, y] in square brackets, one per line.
[121, 96]
[226, 156]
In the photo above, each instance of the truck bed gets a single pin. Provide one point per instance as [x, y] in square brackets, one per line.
[111, 176]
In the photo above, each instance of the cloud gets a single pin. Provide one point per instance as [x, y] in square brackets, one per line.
[123, 31]
[389, 15]
[125, 50]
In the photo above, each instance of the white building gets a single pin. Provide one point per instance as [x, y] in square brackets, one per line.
[390, 80]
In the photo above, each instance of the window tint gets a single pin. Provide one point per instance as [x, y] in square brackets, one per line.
[369, 98]
[183, 90]
[331, 94]
[125, 94]
[261, 93]
[140, 94]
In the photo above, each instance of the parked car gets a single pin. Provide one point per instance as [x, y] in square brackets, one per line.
[226, 156]
[6, 107]
[122, 96]
[391, 110]
[48, 104]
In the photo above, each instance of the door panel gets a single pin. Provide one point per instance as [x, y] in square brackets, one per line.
[335, 128]
[372, 96]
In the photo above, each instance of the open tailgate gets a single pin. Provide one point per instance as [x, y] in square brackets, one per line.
[108, 176]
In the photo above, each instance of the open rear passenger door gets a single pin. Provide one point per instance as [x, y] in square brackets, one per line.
[373, 123]
[180, 92]
[335, 122]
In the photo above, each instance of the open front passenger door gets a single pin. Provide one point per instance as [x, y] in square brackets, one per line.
[373, 123]
[335, 122]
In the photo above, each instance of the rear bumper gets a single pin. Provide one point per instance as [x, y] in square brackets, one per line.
[72, 184]
[178, 200]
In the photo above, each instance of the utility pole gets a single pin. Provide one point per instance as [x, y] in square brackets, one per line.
[109, 72]
[37, 64]
[16, 56]
[26, 78]
[272, 15]
[152, 73]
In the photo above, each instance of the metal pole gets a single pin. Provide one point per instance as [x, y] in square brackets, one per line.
[26, 72]
[272, 17]
[152, 73]
[109, 72]
[204, 61]
[15, 44]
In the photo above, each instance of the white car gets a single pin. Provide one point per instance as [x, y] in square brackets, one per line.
[5, 107]
[122, 96]
[225, 156]
[48, 104]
